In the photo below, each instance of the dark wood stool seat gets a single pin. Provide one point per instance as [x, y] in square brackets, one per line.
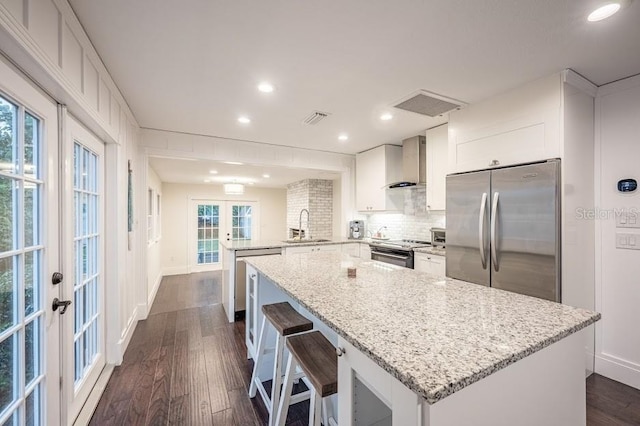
[286, 322]
[285, 319]
[318, 359]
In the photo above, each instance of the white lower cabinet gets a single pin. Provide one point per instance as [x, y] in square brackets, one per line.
[365, 251]
[251, 330]
[310, 249]
[430, 263]
[352, 249]
[376, 397]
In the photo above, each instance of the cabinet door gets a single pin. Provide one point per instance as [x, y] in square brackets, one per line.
[352, 249]
[374, 170]
[370, 179]
[251, 332]
[437, 265]
[365, 251]
[327, 247]
[421, 263]
[296, 250]
[437, 148]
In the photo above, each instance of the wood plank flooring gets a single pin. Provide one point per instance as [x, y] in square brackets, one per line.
[186, 365]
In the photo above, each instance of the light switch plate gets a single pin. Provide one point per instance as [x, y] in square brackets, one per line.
[627, 241]
[627, 219]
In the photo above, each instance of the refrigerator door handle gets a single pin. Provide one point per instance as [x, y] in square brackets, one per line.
[494, 220]
[483, 207]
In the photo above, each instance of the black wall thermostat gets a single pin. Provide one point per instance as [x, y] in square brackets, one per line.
[627, 185]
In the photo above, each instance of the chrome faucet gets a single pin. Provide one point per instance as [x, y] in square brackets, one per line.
[308, 224]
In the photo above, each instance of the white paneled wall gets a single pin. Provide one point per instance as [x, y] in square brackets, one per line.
[46, 35]
[46, 40]
[617, 285]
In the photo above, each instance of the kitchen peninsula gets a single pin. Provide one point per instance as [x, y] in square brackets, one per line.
[233, 294]
[417, 349]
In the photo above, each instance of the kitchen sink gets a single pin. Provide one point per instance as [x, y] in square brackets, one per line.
[312, 240]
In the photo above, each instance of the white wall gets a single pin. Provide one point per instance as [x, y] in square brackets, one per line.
[175, 225]
[617, 278]
[46, 40]
[154, 245]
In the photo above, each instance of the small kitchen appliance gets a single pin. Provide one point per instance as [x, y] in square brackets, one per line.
[356, 229]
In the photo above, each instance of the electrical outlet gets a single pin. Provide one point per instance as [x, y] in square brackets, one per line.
[628, 241]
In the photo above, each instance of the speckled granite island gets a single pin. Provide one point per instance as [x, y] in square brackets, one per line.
[419, 349]
[233, 294]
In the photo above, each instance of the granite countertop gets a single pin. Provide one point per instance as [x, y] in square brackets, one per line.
[436, 335]
[436, 251]
[263, 244]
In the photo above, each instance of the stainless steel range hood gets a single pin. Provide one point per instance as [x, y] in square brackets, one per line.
[414, 163]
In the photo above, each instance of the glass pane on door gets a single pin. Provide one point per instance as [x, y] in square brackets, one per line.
[208, 234]
[21, 269]
[241, 222]
[87, 261]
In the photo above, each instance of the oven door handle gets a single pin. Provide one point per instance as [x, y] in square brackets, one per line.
[395, 256]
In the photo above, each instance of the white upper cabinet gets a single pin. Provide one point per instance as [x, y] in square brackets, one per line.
[520, 126]
[375, 169]
[437, 146]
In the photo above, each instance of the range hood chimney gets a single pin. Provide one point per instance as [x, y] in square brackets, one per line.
[414, 163]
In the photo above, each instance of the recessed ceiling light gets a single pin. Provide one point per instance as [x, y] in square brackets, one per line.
[343, 136]
[233, 163]
[207, 181]
[244, 120]
[265, 87]
[266, 176]
[386, 117]
[603, 12]
[213, 172]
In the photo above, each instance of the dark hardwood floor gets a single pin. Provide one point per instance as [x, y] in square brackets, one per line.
[186, 365]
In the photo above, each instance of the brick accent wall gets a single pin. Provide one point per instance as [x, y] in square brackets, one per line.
[315, 195]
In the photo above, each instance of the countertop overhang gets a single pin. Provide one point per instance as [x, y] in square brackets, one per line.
[436, 335]
[264, 244]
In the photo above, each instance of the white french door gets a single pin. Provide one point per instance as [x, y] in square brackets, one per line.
[29, 254]
[84, 326]
[213, 220]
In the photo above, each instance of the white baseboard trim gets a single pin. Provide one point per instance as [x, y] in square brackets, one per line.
[154, 291]
[126, 335]
[142, 311]
[175, 270]
[618, 369]
[588, 363]
[92, 401]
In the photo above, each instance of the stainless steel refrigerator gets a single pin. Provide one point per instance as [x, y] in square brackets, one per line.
[503, 228]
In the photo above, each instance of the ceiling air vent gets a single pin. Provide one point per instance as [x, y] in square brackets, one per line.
[315, 117]
[427, 103]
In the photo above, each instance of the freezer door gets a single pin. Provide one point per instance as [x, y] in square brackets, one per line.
[525, 230]
[467, 227]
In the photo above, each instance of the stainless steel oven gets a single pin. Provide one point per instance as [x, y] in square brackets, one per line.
[396, 252]
[394, 256]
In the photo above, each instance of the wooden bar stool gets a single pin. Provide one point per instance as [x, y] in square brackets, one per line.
[317, 358]
[287, 322]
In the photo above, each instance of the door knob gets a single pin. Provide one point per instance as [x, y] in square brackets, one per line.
[64, 304]
[57, 278]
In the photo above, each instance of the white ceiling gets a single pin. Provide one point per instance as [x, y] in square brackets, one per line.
[197, 171]
[193, 65]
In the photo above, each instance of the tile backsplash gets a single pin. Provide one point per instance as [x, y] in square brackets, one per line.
[414, 223]
[401, 226]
